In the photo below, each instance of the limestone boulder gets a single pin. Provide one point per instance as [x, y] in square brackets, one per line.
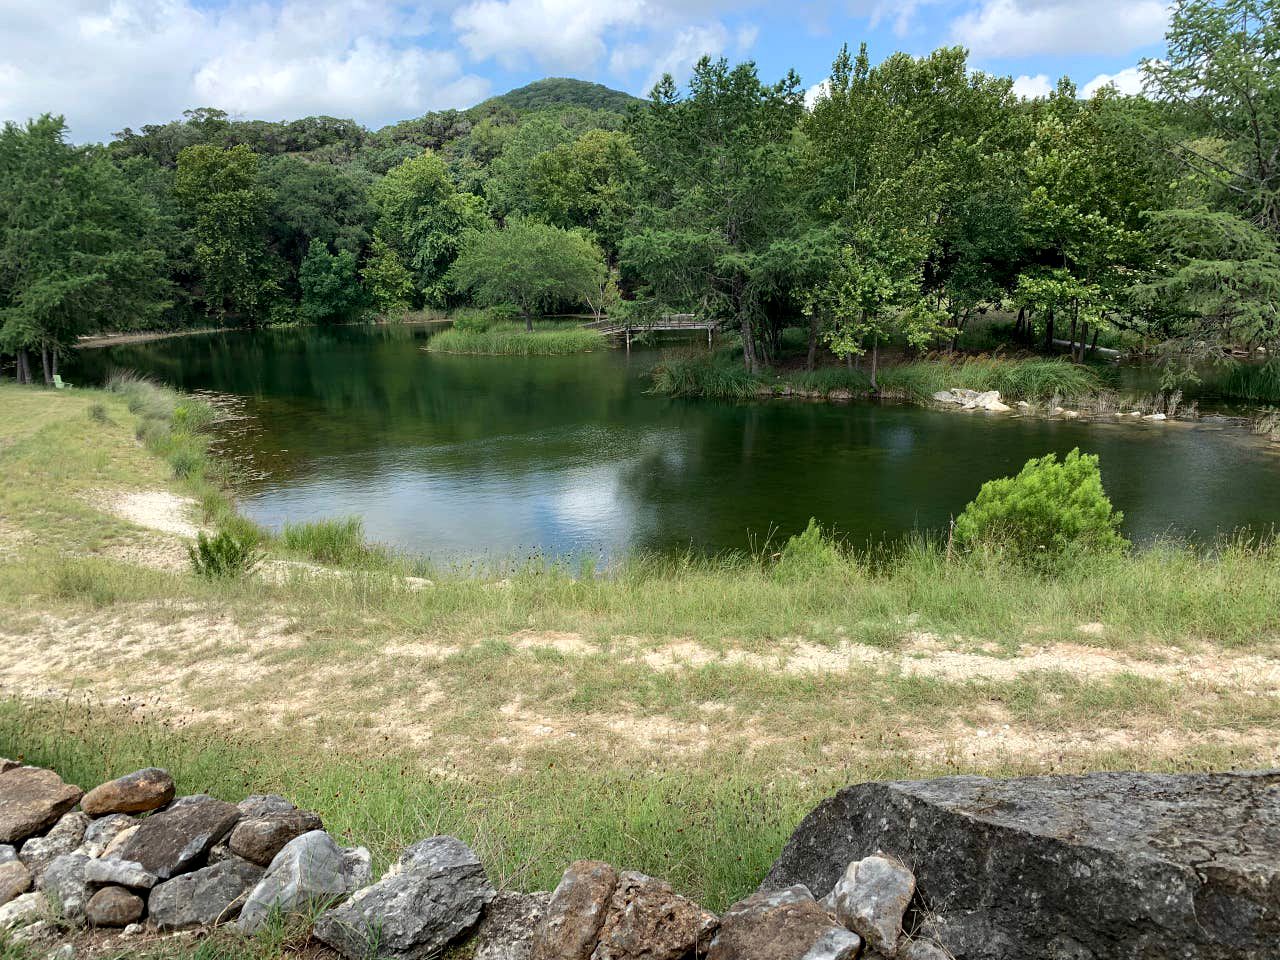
[872, 899]
[177, 839]
[1122, 866]
[26, 909]
[648, 920]
[65, 837]
[258, 839]
[571, 925]
[204, 897]
[265, 805]
[435, 894]
[8, 852]
[139, 792]
[508, 925]
[310, 871]
[100, 833]
[119, 873]
[65, 886]
[782, 925]
[114, 907]
[15, 880]
[31, 801]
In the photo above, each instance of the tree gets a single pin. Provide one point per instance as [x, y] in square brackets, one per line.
[530, 265]
[1219, 279]
[388, 281]
[331, 291]
[718, 191]
[312, 201]
[422, 217]
[78, 246]
[227, 206]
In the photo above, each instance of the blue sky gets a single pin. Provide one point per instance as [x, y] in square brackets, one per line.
[106, 64]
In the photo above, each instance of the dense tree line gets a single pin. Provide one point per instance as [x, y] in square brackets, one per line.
[911, 196]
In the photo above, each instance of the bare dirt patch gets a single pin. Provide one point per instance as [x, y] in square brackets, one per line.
[157, 510]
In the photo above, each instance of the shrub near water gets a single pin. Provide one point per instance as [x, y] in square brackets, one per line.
[223, 555]
[339, 542]
[1047, 510]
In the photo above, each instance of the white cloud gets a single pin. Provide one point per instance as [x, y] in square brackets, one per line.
[1128, 82]
[1017, 28]
[1032, 87]
[111, 63]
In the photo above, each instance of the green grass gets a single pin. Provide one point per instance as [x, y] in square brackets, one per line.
[1254, 382]
[501, 339]
[335, 542]
[1024, 379]
[721, 376]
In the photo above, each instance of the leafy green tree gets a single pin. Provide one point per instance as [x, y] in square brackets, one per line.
[312, 201]
[423, 216]
[330, 283]
[228, 208]
[1219, 278]
[1049, 509]
[719, 190]
[530, 265]
[387, 279]
[78, 245]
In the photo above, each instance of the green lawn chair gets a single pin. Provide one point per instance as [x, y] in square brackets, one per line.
[59, 383]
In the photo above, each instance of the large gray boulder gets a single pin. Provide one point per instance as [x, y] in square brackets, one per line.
[100, 833]
[311, 871]
[434, 893]
[178, 838]
[258, 839]
[1121, 866]
[119, 873]
[200, 899]
[508, 925]
[31, 801]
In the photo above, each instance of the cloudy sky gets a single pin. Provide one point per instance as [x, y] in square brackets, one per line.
[107, 64]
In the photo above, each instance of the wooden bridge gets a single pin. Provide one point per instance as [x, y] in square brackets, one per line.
[669, 322]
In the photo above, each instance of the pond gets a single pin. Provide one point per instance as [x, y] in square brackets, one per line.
[463, 458]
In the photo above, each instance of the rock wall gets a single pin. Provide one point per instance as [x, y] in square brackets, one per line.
[1069, 868]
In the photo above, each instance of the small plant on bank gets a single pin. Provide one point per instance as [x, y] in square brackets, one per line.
[98, 413]
[338, 542]
[812, 553]
[223, 556]
[1049, 509]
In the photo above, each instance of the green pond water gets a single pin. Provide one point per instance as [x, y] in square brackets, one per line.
[464, 458]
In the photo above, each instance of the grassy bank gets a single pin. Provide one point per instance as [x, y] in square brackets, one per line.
[675, 715]
[512, 339]
[721, 375]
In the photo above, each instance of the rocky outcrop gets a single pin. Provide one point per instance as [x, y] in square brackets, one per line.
[972, 400]
[508, 925]
[782, 925]
[66, 887]
[259, 838]
[101, 833]
[872, 899]
[119, 873]
[66, 837]
[1118, 866]
[15, 880]
[436, 891]
[206, 897]
[31, 801]
[311, 871]
[178, 838]
[137, 792]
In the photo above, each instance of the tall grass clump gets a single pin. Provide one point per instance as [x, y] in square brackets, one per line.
[706, 376]
[1255, 382]
[1029, 379]
[511, 339]
[828, 380]
[337, 542]
[171, 425]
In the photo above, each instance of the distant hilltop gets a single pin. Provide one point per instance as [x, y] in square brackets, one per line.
[563, 92]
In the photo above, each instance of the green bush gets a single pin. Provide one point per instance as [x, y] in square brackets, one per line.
[706, 376]
[809, 554]
[1049, 509]
[98, 413]
[223, 556]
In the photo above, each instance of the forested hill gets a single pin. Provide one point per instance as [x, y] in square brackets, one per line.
[564, 92]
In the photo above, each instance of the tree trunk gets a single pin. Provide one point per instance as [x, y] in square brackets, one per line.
[44, 359]
[1093, 348]
[812, 357]
[1075, 322]
[748, 346]
[53, 360]
[1048, 333]
[24, 366]
[1020, 327]
[875, 360]
[528, 322]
